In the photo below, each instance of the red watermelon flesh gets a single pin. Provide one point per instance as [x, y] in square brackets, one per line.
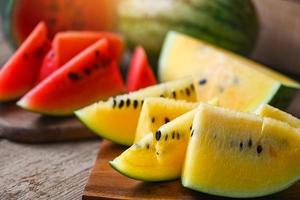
[20, 72]
[140, 74]
[90, 76]
[49, 65]
[70, 43]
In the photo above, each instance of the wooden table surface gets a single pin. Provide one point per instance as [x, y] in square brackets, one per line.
[61, 170]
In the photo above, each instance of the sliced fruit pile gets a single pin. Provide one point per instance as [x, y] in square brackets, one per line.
[74, 70]
[174, 128]
[207, 145]
[116, 119]
[204, 146]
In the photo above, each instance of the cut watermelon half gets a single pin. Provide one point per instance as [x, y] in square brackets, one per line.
[90, 76]
[20, 72]
[140, 74]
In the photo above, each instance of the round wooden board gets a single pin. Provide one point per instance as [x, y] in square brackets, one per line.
[22, 126]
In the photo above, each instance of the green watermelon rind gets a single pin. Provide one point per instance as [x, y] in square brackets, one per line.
[24, 106]
[8, 24]
[96, 132]
[239, 195]
[139, 178]
[283, 96]
[215, 21]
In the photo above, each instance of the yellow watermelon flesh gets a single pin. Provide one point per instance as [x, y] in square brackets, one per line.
[237, 154]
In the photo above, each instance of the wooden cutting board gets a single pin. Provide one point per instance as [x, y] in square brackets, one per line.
[22, 126]
[106, 183]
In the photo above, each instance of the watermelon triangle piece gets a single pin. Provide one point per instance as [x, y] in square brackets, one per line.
[140, 74]
[90, 76]
[20, 72]
[68, 44]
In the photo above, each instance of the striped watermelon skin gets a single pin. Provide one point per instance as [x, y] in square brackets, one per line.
[231, 24]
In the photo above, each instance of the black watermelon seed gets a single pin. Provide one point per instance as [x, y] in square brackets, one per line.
[114, 103]
[73, 76]
[259, 149]
[142, 102]
[121, 104]
[166, 120]
[147, 146]
[241, 146]
[166, 137]
[187, 91]
[128, 102]
[174, 94]
[192, 133]
[135, 103]
[173, 135]
[157, 153]
[158, 135]
[87, 71]
[162, 95]
[250, 143]
[97, 53]
[202, 82]
[192, 87]
[153, 119]
[178, 136]
[190, 127]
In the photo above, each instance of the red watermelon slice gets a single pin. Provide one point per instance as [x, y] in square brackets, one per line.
[140, 74]
[90, 76]
[20, 72]
[68, 44]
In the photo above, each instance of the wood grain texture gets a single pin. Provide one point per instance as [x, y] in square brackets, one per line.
[22, 126]
[49, 171]
[106, 183]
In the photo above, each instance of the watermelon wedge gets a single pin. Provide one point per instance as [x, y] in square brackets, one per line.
[90, 76]
[70, 43]
[140, 74]
[20, 72]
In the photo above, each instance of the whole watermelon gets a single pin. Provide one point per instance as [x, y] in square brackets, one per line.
[231, 24]
[21, 16]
